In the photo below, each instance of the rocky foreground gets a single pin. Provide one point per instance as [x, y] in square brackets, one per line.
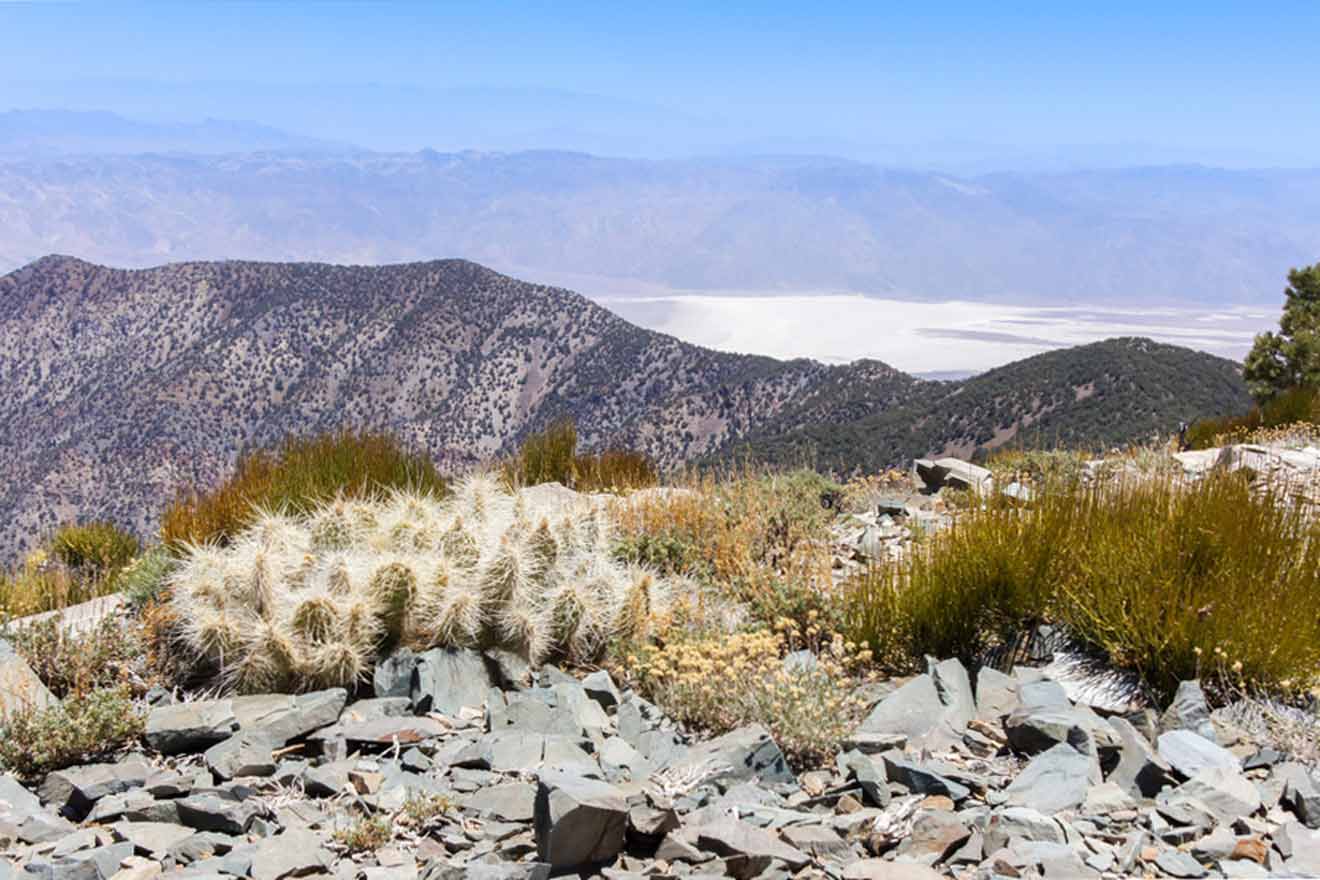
[476, 766]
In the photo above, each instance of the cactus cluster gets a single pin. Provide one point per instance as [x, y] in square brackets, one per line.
[311, 601]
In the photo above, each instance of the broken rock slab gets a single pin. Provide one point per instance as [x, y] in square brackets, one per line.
[578, 821]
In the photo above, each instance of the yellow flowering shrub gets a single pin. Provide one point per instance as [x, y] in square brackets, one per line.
[718, 682]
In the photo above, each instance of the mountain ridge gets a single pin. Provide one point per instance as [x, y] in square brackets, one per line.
[1148, 235]
[126, 385]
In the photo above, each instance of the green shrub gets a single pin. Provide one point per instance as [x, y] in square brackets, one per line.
[1171, 580]
[80, 729]
[294, 477]
[144, 579]
[366, 834]
[1300, 406]
[551, 456]
[97, 548]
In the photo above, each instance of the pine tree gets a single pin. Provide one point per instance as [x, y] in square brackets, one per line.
[1291, 357]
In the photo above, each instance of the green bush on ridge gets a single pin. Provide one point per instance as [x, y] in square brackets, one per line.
[293, 478]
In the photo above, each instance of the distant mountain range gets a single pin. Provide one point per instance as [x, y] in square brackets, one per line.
[1167, 235]
[43, 133]
[122, 387]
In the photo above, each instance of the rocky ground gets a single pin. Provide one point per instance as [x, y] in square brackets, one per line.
[476, 766]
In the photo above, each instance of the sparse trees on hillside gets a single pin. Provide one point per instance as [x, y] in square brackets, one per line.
[1291, 357]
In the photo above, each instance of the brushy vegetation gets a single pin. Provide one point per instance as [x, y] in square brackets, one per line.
[760, 538]
[366, 834]
[1297, 410]
[300, 602]
[95, 548]
[145, 579]
[1218, 579]
[809, 703]
[110, 654]
[80, 729]
[1052, 467]
[295, 477]
[42, 583]
[551, 456]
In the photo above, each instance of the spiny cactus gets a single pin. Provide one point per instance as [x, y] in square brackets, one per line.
[311, 601]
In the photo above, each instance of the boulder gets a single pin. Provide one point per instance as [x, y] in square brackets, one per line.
[295, 853]
[1301, 793]
[600, 687]
[74, 790]
[1189, 711]
[1140, 772]
[154, 839]
[732, 838]
[1225, 793]
[1189, 753]
[1012, 824]
[190, 727]
[996, 694]
[920, 779]
[393, 676]
[952, 472]
[1054, 781]
[19, 686]
[448, 679]
[218, 810]
[931, 710]
[579, 822]
[743, 754]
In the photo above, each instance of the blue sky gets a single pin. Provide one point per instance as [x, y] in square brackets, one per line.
[1235, 83]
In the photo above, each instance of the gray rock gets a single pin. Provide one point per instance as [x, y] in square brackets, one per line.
[1033, 730]
[217, 810]
[600, 687]
[1301, 793]
[1176, 863]
[872, 778]
[448, 679]
[19, 686]
[880, 869]
[931, 710]
[1140, 772]
[818, 841]
[202, 845]
[486, 871]
[1054, 781]
[920, 779]
[740, 755]
[1226, 794]
[43, 827]
[1042, 693]
[190, 727]
[294, 853]
[1011, 824]
[393, 676]
[508, 801]
[153, 839]
[728, 838]
[579, 822]
[1189, 753]
[16, 802]
[94, 864]
[74, 790]
[935, 836]
[1189, 711]
[247, 753]
[996, 694]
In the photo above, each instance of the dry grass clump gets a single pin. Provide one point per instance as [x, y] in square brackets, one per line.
[1038, 467]
[43, 583]
[761, 538]
[298, 475]
[721, 681]
[366, 834]
[309, 601]
[551, 456]
[77, 730]
[1160, 576]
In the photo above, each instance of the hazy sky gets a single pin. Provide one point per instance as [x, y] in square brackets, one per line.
[1196, 79]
